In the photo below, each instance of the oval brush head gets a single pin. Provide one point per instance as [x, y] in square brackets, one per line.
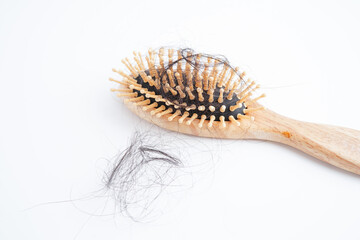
[181, 85]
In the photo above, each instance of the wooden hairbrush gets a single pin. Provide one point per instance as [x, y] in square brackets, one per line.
[202, 95]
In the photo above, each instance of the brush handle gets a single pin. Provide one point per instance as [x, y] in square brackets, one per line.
[335, 145]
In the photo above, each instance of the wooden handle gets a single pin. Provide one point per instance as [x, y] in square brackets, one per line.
[335, 145]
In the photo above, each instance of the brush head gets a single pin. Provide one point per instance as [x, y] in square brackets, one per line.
[187, 87]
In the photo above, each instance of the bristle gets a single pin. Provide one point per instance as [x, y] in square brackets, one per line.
[211, 95]
[198, 80]
[191, 95]
[128, 65]
[247, 89]
[136, 87]
[201, 108]
[151, 53]
[221, 96]
[234, 121]
[121, 90]
[161, 59]
[179, 68]
[179, 80]
[145, 78]
[187, 65]
[197, 61]
[164, 84]
[159, 109]
[205, 81]
[181, 93]
[168, 103]
[120, 82]
[196, 70]
[212, 119]
[206, 66]
[188, 122]
[137, 99]
[213, 74]
[173, 92]
[176, 104]
[214, 68]
[156, 75]
[238, 105]
[158, 98]
[248, 110]
[244, 94]
[240, 116]
[131, 83]
[222, 108]
[211, 82]
[151, 67]
[200, 95]
[222, 121]
[142, 103]
[127, 94]
[170, 56]
[139, 63]
[169, 110]
[228, 82]
[203, 117]
[222, 76]
[146, 92]
[159, 69]
[141, 60]
[233, 89]
[126, 76]
[153, 105]
[185, 115]
[177, 113]
[257, 98]
[212, 108]
[192, 107]
[157, 83]
[149, 95]
[189, 78]
[206, 74]
[171, 78]
[244, 98]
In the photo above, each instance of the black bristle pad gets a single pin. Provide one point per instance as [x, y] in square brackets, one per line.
[171, 98]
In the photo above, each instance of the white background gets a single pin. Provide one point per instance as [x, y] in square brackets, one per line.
[60, 124]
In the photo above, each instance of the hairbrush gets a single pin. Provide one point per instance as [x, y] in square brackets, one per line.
[203, 95]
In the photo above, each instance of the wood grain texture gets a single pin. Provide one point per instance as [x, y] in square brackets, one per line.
[335, 145]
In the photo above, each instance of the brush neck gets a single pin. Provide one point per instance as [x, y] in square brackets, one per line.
[335, 145]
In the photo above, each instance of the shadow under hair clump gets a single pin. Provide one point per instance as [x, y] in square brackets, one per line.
[140, 174]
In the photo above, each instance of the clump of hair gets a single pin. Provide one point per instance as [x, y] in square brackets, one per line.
[140, 174]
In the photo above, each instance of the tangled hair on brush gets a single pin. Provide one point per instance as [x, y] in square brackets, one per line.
[140, 174]
[206, 65]
[200, 61]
